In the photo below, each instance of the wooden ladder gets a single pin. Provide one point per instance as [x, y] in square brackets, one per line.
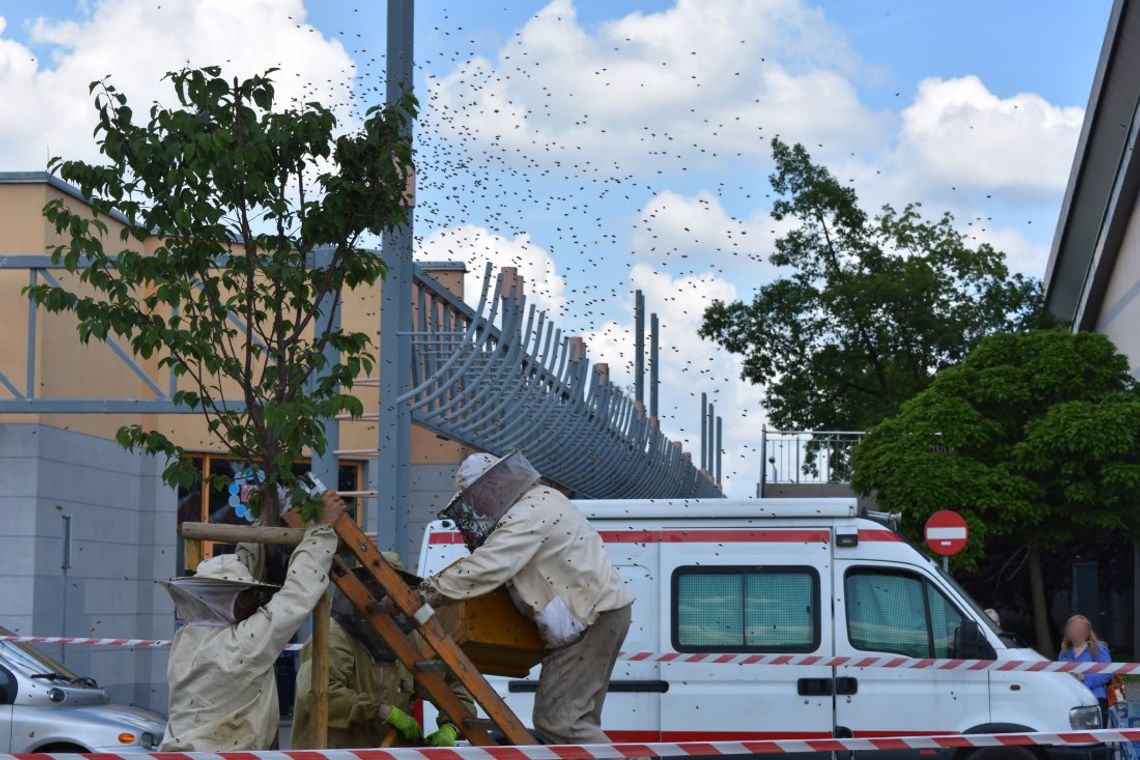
[440, 653]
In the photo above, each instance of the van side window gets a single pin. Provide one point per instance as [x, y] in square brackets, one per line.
[745, 609]
[899, 613]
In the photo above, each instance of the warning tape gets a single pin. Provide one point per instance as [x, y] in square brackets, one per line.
[649, 749]
[803, 661]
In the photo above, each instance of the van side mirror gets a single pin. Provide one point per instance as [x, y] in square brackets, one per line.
[970, 643]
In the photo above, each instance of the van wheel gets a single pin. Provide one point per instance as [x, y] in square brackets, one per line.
[1003, 753]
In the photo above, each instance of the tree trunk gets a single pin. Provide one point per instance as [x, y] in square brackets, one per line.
[1040, 604]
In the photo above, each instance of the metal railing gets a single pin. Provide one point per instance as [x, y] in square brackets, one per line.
[797, 457]
[502, 376]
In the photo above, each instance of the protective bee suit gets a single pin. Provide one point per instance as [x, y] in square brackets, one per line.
[363, 675]
[223, 694]
[558, 572]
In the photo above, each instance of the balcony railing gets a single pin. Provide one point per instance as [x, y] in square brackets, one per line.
[802, 457]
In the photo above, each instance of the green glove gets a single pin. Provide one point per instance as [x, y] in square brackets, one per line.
[405, 724]
[444, 737]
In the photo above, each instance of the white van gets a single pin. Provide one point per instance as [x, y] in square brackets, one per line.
[796, 576]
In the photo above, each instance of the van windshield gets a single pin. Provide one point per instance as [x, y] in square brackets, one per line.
[979, 612]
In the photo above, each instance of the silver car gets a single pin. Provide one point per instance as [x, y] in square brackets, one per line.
[44, 707]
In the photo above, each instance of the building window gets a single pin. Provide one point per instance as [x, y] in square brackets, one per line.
[745, 609]
[899, 613]
[204, 504]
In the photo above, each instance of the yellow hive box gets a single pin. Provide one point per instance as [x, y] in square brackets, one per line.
[499, 639]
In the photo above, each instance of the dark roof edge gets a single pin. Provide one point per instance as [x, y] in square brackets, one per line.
[46, 178]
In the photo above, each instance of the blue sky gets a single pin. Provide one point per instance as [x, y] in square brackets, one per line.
[637, 157]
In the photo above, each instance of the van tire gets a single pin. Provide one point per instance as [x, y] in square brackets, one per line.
[1002, 753]
[62, 748]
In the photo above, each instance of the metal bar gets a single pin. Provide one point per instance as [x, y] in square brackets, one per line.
[100, 405]
[639, 347]
[394, 429]
[719, 449]
[704, 430]
[325, 464]
[12, 389]
[33, 278]
[654, 368]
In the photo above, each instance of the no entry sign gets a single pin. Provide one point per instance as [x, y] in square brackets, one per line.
[946, 533]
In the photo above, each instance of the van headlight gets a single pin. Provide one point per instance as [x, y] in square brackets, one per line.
[1085, 718]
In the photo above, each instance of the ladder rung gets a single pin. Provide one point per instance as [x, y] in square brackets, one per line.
[432, 666]
[479, 724]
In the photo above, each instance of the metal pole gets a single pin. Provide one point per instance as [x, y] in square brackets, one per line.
[946, 564]
[65, 565]
[639, 347]
[719, 448]
[33, 279]
[763, 461]
[393, 470]
[704, 431]
[653, 368]
[711, 412]
[325, 465]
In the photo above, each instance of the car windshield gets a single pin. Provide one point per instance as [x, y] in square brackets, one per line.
[32, 662]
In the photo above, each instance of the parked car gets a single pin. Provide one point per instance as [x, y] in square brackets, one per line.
[798, 576]
[44, 707]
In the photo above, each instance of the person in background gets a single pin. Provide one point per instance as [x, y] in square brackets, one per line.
[993, 615]
[369, 689]
[1080, 644]
[223, 694]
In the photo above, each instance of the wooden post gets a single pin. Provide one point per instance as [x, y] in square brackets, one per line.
[322, 615]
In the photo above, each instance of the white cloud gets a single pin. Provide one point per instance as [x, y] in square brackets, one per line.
[679, 87]
[689, 366]
[678, 227]
[957, 132]
[136, 42]
[476, 246]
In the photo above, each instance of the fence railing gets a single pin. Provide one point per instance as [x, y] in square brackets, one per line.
[502, 376]
[797, 457]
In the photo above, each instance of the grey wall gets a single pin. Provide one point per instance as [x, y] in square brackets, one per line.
[433, 486]
[123, 539]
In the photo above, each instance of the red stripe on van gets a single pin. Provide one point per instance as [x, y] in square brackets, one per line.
[697, 536]
[879, 535]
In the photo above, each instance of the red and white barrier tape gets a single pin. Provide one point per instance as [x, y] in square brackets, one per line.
[629, 750]
[788, 660]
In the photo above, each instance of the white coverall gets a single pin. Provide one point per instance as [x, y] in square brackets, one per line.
[560, 574]
[223, 693]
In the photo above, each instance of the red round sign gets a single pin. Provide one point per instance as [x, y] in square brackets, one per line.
[946, 533]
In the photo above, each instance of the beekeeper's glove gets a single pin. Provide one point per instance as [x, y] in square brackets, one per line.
[445, 736]
[405, 724]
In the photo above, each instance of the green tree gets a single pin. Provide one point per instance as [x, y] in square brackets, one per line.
[1034, 438]
[239, 194]
[870, 307]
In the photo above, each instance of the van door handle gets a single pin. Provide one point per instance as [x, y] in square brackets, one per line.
[846, 686]
[814, 687]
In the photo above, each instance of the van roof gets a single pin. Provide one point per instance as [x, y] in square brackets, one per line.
[716, 509]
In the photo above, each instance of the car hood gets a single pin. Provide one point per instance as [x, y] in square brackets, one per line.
[144, 721]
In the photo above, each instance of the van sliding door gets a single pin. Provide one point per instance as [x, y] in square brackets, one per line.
[747, 591]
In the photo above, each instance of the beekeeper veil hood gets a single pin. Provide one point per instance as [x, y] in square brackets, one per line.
[208, 597]
[488, 487]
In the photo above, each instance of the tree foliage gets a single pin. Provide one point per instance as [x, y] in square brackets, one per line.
[870, 308]
[1034, 438]
[239, 195]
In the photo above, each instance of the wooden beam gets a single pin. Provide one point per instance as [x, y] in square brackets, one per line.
[241, 534]
[322, 616]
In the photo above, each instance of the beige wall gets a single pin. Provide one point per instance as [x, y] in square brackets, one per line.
[67, 369]
[1119, 316]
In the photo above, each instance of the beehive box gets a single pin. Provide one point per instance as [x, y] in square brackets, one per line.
[497, 638]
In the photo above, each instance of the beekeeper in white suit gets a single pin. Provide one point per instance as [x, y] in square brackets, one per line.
[223, 694]
[533, 540]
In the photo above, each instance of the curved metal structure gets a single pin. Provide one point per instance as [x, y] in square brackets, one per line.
[502, 376]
